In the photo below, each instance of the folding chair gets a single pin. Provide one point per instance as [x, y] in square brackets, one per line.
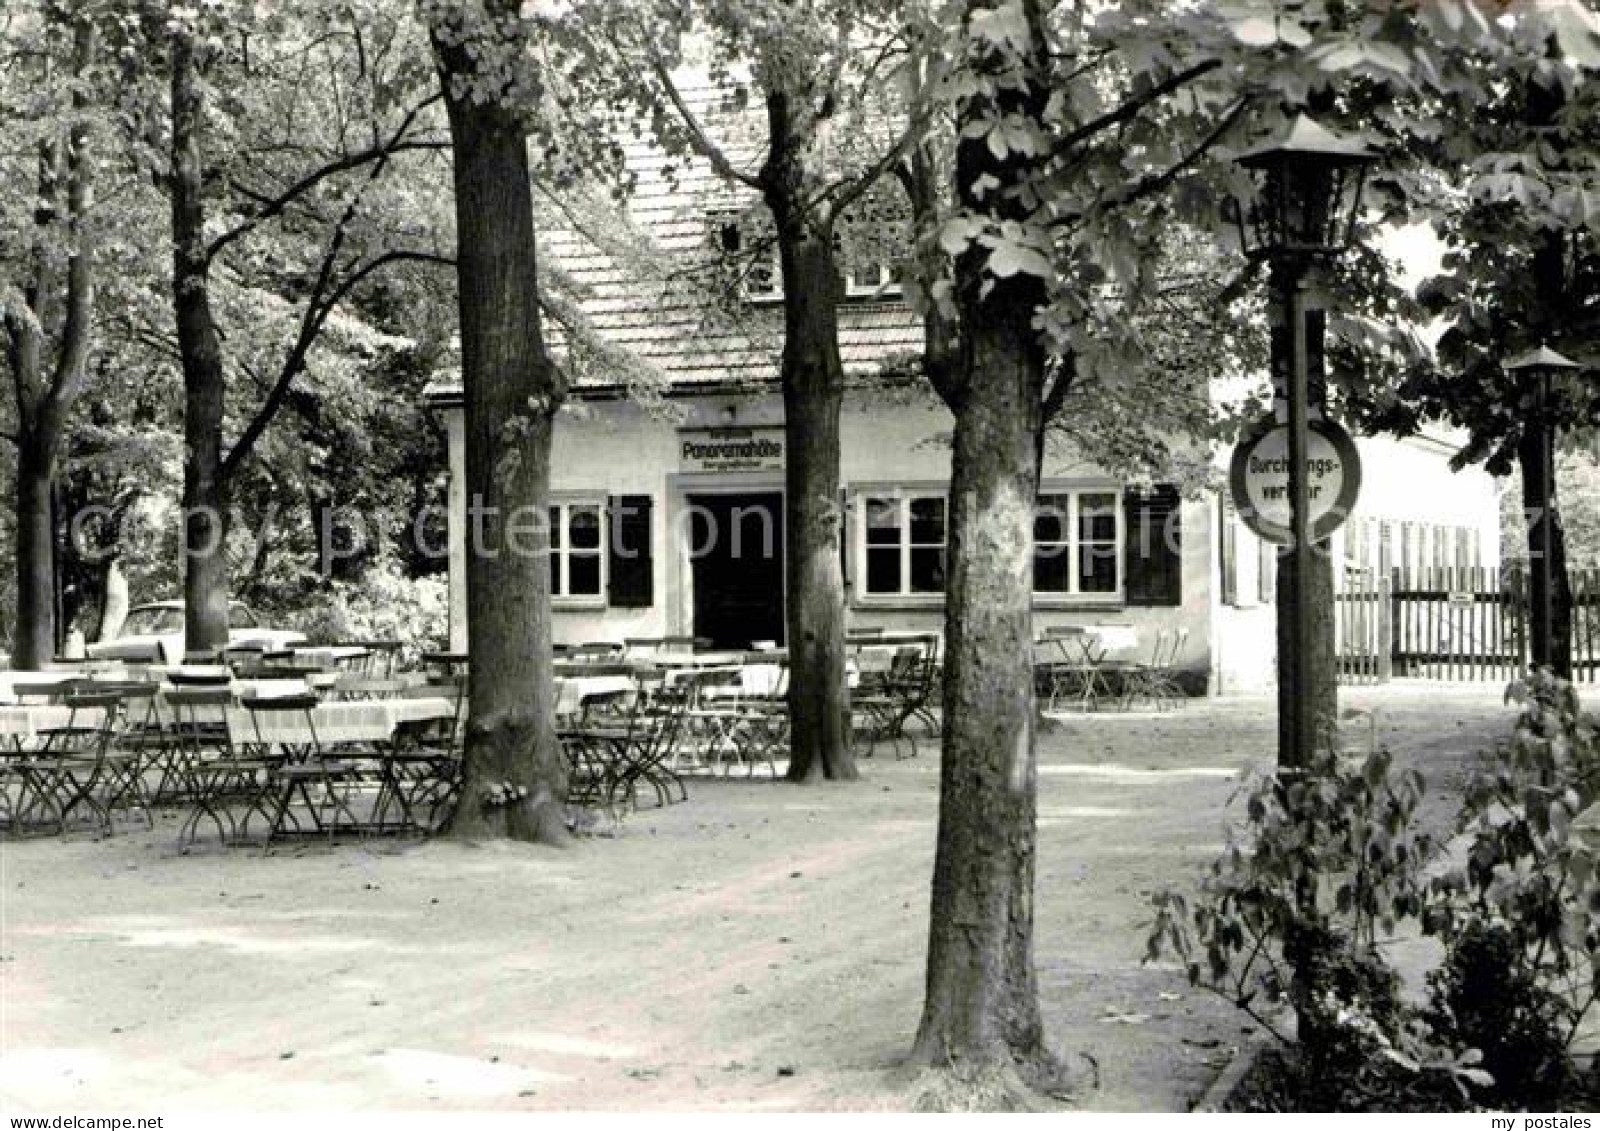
[1157, 681]
[323, 784]
[218, 775]
[75, 764]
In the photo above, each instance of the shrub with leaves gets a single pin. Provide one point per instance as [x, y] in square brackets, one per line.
[1328, 862]
[1292, 911]
[1521, 916]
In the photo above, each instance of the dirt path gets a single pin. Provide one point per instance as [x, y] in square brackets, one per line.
[760, 947]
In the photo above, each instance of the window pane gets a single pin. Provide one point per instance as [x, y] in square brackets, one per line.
[1050, 519]
[1052, 572]
[883, 522]
[555, 528]
[927, 522]
[927, 570]
[883, 569]
[1097, 518]
[583, 575]
[1097, 569]
[555, 576]
[583, 524]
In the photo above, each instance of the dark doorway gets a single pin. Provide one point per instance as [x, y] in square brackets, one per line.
[736, 552]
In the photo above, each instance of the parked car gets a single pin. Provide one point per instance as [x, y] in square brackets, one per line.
[157, 629]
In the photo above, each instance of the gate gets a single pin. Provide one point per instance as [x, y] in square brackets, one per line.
[1462, 623]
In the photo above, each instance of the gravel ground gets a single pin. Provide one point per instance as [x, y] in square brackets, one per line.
[760, 947]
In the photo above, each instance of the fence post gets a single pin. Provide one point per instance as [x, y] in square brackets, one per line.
[1386, 625]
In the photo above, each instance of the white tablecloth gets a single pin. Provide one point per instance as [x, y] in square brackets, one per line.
[572, 691]
[55, 676]
[329, 655]
[354, 720]
[25, 723]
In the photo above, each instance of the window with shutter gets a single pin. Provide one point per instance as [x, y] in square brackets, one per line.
[631, 562]
[1153, 551]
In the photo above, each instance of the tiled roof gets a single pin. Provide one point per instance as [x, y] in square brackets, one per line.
[663, 315]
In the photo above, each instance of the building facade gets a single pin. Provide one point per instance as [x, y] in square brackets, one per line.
[667, 500]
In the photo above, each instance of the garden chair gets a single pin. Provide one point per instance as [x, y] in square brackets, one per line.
[75, 764]
[307, 775]
[1157, 681]
[219, 776]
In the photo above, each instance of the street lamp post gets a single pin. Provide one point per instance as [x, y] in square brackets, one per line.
[1542, 366]
[1307, 184]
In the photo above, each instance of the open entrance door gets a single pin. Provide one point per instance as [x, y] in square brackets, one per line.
[736, 554]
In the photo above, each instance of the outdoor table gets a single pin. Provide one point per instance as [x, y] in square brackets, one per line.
[369, 723]
[345, 720]
[22, 725]
[330, 655]
[676, 661]
[573, 691]
[53, 677]
[1083, 649]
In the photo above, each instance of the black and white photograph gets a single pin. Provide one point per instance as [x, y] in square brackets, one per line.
[871, 557]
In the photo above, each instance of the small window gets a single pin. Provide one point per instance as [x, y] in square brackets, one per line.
[750, 255]
[870, 280]
[905, 545]
[577, 549]
[1077, 543]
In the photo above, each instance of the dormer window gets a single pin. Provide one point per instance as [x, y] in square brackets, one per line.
[870, 281]
[753, 256]
[749, 251]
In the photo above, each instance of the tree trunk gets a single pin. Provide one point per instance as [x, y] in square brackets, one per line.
[1547, 542]
[813, 394]
[514, 772]
[982, 1007]
[982, 1004]
[60, 303]
[34, 643]
[205, 500]
[113, 598]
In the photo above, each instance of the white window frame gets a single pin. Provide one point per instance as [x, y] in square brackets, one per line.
[885, 286]
[1074, 595]
[861, 496]
[560, 597]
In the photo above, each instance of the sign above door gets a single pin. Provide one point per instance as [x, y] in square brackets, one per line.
[730, 449]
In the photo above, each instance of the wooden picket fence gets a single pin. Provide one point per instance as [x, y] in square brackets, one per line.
[1461, 623]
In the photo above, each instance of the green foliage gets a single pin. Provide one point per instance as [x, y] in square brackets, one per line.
[382, 604]
[1329, 864]
[1292, 911]
[1529, 886]
[1484, 997]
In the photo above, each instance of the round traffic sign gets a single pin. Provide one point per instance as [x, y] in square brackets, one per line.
[1259, 478]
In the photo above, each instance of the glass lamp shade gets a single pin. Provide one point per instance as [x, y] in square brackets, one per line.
[1307, 191]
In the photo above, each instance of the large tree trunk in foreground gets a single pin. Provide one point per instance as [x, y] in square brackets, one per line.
[205, 500]
[34, 642]
[982, 1006]
[512, 392]
[813, 393]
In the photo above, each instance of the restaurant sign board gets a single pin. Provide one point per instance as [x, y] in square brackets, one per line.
[1259, 478]
[730, 449]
